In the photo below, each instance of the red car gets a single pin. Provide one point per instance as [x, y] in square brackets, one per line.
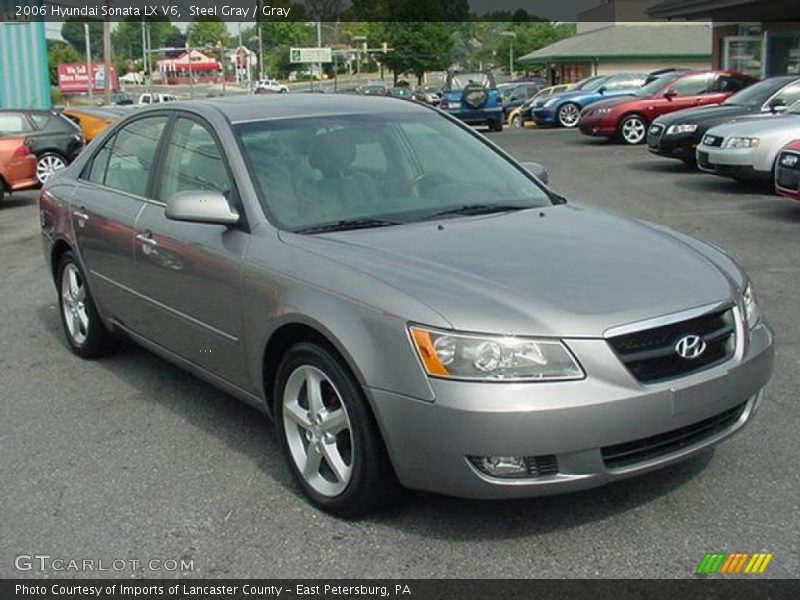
[629, 117]
[17, 165]
[787, 171]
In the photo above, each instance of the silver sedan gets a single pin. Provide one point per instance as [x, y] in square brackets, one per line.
[410, 305]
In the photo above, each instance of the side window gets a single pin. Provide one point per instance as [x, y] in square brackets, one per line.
[726, 83]
[193, 162]
[14, 123]
[790, 94]
[40, 120]
[693, 85]
[97, 172]
[132, 154]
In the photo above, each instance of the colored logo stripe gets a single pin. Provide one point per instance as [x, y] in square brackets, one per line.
[734, 563]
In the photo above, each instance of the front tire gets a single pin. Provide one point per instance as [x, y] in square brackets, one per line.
[516, 122]
[632, 130]
[83, 328]
[47, 164]
[328, 434]
[569, 114]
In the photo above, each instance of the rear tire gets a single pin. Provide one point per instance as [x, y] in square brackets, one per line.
[2, 190]
[329, 435]
[496, 125]
[83, 328]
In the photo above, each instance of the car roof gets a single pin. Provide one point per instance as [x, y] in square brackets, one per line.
[238, 109]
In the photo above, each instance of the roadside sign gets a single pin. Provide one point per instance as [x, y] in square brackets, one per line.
[310, 55]
[73, 77]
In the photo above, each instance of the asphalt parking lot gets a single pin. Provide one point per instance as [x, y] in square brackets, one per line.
[131, 458]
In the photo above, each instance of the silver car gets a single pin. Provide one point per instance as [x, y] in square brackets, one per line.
[747, 149]
[410, 305]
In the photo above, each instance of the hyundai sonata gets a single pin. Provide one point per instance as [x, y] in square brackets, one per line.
[411, 306]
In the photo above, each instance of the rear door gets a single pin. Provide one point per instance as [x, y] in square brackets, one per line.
[190, 273]
[111, 192]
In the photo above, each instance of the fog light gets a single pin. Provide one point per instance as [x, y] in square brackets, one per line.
[503, 466]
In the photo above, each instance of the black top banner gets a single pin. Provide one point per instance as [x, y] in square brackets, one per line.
[411, 589]
[334, 10]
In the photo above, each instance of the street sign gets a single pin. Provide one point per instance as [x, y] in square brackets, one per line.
[310, 55]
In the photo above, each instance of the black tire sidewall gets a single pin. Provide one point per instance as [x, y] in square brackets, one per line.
[371, 476]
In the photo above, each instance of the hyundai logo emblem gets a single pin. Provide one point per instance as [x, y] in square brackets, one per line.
[690, 347]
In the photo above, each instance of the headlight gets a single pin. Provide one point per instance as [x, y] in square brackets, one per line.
[741, 142]
[452, 355]
[682, 128]
[752, 314]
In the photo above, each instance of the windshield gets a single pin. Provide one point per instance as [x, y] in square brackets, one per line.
[586, 84]
[756, 94]
[396, 167]
[795, 108]
[654, 86]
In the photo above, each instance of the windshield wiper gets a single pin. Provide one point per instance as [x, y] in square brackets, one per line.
[346, 224]
[477, 209]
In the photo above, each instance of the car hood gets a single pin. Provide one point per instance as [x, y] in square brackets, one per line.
[558, 271]
[759, 126]
[717, 112]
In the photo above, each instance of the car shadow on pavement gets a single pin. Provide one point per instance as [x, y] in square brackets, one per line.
[15, 201]
[248, 432]
[663, 166]
[722, 185]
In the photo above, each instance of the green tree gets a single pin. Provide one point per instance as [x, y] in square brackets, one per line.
[127, 38]
[73, 32]
[60, 53]
[207, 32]
[417, 47]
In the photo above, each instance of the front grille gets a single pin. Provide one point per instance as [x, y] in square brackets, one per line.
[654, 136]
[644, 449]
[789, 171]
[713, 141]
[650, 354]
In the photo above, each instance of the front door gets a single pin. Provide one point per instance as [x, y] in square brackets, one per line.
[191, 273]
[110, 195]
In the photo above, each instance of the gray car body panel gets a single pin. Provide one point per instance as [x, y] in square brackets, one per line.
[569, 272]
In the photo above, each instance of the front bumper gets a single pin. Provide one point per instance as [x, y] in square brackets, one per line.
[682, 146]
[544, 116]
[574, 422]
[787, 178]
[597, 126]
[739, 163]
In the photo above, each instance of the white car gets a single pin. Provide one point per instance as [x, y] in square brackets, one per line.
[155, 98]
[748, 148]
[272, 85]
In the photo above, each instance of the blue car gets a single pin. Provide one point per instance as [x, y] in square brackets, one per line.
[473, 98]
[564, 109]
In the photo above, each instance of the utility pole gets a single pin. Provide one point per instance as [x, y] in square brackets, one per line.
[144, 51]
[89, 72]
[107, 56]
[260, 44]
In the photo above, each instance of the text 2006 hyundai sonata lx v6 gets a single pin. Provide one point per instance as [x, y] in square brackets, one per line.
[412, 306]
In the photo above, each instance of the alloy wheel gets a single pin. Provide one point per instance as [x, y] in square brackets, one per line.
[73, 304]
[318, 430]
[633, 130]
[516, 122]
[568, 115]
[47, 165]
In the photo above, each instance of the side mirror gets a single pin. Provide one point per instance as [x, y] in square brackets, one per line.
[670, 94]
[778, 105]
[201, 206]
[602, 89]
[537, 171]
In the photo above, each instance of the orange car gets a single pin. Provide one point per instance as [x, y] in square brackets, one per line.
[91, 119]
[17, 165]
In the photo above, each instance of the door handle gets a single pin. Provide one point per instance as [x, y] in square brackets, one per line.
[146, 238]
[79, 214]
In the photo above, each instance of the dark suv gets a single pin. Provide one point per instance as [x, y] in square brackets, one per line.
[52, 138]
[473, 98]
